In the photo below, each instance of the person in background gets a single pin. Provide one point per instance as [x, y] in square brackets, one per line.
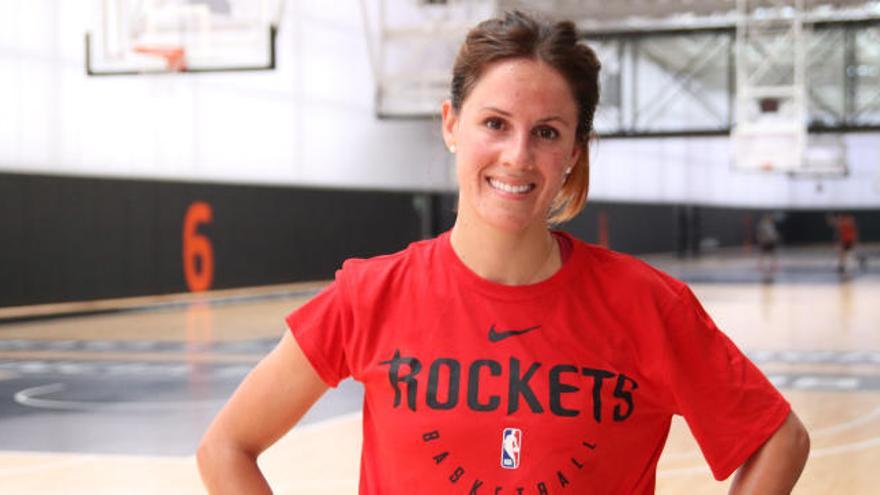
[768, 239]
[506, 356]
[847, 234]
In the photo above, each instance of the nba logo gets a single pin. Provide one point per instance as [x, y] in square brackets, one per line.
[511, 443]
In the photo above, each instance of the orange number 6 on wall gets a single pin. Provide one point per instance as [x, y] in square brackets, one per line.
[199, 276]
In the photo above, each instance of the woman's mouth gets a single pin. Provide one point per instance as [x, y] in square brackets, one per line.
[510, 188]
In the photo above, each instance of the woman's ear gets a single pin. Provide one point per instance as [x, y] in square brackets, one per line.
[450, 121]
[576, 154]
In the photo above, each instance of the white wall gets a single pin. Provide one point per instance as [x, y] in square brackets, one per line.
[311, 122]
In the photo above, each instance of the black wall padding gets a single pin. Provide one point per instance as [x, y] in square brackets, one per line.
[75, 239]
[631, 228]
[65, 238]
[652, 228]
[801, 227]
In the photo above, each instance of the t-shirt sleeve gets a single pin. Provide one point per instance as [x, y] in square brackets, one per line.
[729, 405]
[321, 327]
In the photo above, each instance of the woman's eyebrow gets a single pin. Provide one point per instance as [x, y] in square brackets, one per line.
[497, 110]
[555, 118]
[544, 120]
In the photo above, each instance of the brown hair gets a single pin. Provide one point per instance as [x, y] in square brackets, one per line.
[517, 35]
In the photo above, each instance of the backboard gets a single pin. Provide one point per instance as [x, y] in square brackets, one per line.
[412, 45]
[768, 147]
[788, 149]
[131, 37]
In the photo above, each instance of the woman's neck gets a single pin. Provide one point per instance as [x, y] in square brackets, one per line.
[509, 258]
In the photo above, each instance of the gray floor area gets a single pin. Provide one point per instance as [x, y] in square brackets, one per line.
[804, 265]
[140, 408]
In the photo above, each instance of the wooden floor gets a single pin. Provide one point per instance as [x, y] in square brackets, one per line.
[114, 403]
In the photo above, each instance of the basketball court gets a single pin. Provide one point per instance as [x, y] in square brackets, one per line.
[116, 402]
[178, 176]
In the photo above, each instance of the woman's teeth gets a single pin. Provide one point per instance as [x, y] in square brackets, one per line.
[501, 186]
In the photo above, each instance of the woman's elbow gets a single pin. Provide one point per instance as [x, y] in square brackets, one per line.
[800, 442]
[217, 449]
[206, 456]
[792, 447]
[213, 454]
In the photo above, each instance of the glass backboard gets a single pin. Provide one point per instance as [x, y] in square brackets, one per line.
[156, 36]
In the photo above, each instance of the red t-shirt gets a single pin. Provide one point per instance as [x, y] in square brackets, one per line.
[563, 386]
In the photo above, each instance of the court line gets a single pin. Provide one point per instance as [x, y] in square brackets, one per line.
[820, 432]
[847, 447]
[29, 397]
[182, 356]
[147, 304]
[847, 425]
[814, 454]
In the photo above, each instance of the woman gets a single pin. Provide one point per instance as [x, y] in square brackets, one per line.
[503, 357]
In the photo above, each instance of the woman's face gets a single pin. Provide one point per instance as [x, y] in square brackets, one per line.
[514, 139]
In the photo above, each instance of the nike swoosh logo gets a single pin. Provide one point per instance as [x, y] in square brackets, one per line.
[496, 336]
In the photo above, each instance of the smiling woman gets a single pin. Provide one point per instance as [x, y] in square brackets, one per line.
[517, 37]
[515, 139]
[503, 356]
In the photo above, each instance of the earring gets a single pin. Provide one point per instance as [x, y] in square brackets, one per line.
[452, 148]
[568, 171]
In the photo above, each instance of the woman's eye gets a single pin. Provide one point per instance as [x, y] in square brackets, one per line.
[494, 123]
[547, 133]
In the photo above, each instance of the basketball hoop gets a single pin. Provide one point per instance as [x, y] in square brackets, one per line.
[175, 56]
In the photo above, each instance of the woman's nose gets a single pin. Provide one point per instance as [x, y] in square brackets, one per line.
[517, 151]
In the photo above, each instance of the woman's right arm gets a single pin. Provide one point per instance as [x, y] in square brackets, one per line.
[267, 404]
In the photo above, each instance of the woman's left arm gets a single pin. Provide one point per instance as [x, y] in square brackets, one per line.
[777, 465]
